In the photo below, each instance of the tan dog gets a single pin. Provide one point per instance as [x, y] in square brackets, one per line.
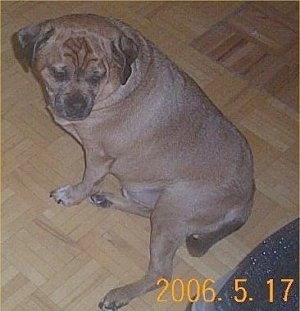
[140, 118]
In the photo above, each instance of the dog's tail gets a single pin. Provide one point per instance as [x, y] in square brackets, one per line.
[199, 244]
[196, 246]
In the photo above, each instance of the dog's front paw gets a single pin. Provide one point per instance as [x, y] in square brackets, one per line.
[63, 195]
[114, 300]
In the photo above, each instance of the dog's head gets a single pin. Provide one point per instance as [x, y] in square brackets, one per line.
[78, 59]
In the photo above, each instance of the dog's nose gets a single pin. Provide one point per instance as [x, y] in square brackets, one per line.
[75, 103]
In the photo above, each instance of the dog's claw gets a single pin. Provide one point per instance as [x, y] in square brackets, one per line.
[63, 195]
[114, 300]
[101, 201]
[105, 308]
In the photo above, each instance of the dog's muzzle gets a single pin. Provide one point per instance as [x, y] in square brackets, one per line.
[74, 106]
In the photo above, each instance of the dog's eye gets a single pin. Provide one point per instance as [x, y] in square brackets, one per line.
[95, 78]
[59, 74]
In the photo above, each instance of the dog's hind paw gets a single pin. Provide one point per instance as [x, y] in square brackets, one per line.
[115, 299]
[104, 308]
[100, 200]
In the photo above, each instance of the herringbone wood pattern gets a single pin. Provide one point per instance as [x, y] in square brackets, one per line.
[56, 258]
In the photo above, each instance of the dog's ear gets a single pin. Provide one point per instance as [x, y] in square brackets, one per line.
[124, 51]
[31, 38]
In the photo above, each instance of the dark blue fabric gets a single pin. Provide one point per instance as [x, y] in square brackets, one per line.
[276, 258]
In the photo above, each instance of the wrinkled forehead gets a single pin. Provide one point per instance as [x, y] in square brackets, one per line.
[79, 41]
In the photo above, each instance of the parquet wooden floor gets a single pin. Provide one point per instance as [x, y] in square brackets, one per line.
[56, 258]
[259, 41]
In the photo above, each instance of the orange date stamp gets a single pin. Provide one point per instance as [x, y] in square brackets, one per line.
[193, 290]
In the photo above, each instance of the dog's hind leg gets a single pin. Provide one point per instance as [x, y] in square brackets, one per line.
[110, 200]
[140, 202]
[167, 234]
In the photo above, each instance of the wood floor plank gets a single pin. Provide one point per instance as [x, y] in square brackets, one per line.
[254, 42]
